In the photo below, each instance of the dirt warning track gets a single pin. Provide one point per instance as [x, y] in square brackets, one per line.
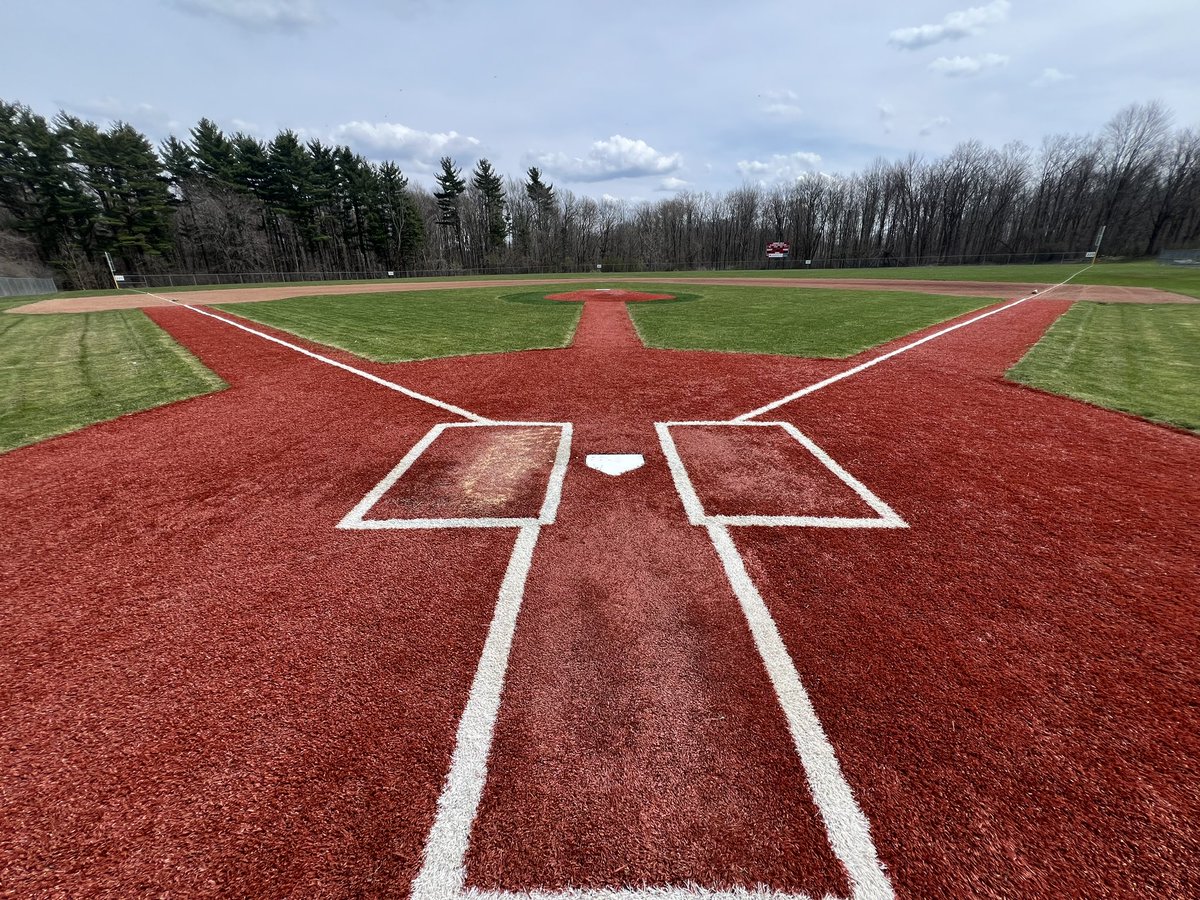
[1105, 293]
[214, 690]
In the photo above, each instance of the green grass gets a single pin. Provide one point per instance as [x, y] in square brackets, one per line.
[401, 327]
[1141, 359]
[59, 373]
[794, 322]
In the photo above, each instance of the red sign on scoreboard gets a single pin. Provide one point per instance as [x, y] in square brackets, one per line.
[777, 250]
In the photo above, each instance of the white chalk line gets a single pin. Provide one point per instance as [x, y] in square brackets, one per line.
[355, 519]
[885, 517]
[382, 382]
[862, 367]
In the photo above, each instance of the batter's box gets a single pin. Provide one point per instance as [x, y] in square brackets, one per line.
[765, 473]
[472, 475]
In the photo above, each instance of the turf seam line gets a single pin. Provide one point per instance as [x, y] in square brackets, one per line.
[832, 379]
[383, 382]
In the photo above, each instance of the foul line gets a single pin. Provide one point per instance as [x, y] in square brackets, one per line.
[832, 379]
[383, 382]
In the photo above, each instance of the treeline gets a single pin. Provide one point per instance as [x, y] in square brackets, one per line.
[220, 203]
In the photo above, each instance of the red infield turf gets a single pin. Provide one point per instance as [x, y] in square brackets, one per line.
[210, 689]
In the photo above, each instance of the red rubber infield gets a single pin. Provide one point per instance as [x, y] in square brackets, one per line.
[210, 690]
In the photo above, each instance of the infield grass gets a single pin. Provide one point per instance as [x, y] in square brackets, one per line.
[817, 322]
[408, 326]
[59, 373]
[1140, 359]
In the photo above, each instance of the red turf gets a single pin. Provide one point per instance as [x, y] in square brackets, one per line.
[208, 690]
[612, 295]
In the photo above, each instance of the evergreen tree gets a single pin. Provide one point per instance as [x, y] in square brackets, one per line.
[451, 187]
[491, 194]
[214, 153]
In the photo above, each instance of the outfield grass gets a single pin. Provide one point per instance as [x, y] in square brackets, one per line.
[59, 373]
[407, 326]
[819, 322]
[1141, 359]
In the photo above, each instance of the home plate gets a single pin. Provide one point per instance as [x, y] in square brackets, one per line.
[615, 463]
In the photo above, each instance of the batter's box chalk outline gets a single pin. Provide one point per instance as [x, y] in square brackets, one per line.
[356, 518]
[885, 516]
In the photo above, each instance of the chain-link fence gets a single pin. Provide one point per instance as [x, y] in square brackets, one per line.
[1179, 258]
[620, 267]
[25, 287]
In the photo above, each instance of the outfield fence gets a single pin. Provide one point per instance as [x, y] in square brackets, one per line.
[25, 287]
[189, 279]
[1179, 257]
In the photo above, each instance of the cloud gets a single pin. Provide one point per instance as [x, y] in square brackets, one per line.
[781, 104]
[780, 167]
[671, 183]
[967, 66]
[1049, 77]
[617, 157]
[380, 140]
[887, 115]
[933, 124]
[143, 116]
[955, 26]
[258, 15]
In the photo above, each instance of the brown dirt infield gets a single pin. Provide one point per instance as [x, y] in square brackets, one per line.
[999, 290]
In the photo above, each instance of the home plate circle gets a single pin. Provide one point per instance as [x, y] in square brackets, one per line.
[615, 463]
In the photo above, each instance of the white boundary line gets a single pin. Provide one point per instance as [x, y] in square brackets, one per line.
[833, 379]
[886, 516]
[383, 382]
[354, 519]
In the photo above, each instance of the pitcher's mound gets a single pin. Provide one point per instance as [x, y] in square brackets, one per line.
[614, 294]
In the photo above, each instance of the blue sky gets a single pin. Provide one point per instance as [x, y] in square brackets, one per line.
[628, 99]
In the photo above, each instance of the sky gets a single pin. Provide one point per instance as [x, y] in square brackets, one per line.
[630, 99]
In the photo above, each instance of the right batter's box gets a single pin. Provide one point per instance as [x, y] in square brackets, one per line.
[765, 473]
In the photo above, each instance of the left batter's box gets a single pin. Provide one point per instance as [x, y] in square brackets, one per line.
[472, 475]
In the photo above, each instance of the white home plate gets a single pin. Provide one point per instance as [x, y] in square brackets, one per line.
[615, 463]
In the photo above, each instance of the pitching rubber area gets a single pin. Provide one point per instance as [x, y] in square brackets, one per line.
[901, 630]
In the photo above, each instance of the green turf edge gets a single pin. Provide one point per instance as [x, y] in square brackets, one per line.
[497, 296]
[964, 306]
[1140, 359]
[41, 398]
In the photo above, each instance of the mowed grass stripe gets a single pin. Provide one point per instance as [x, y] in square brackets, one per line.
[814, 322]
[59, 373]
[1140, 359]
[403, 327]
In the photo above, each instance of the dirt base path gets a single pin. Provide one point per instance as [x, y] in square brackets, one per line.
[999, 290]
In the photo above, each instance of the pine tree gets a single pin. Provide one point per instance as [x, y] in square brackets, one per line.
[214, 153]
[451, 188]
[491, 194]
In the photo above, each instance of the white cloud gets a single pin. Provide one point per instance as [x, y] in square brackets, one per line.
[932, 125]
[1049, 77]
[258, 15]
[955, 26]
[392, 141]
[143, 116]
[780, 167]
[671, 183]
[617, 157]
[967, 66]
[781, 104]
[887, 115]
